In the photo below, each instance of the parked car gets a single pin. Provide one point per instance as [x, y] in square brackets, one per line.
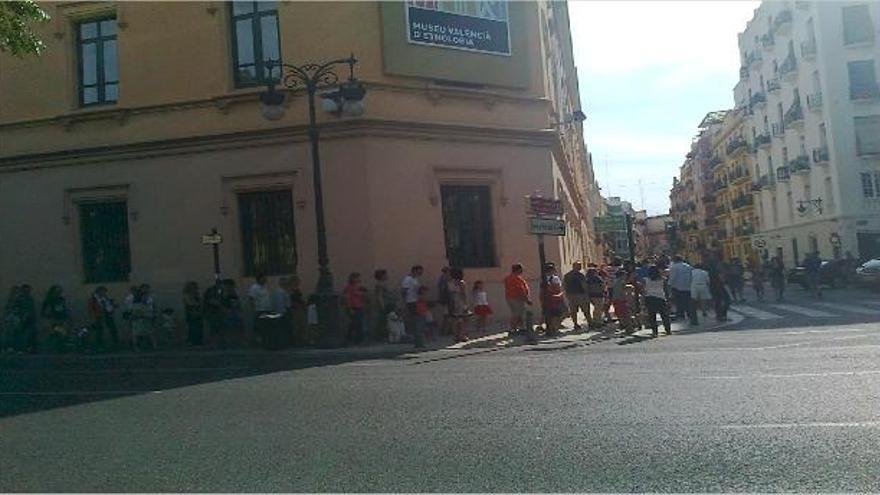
[868, 274]
[832, 273]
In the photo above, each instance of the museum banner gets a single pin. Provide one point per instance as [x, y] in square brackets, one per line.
[479, 26]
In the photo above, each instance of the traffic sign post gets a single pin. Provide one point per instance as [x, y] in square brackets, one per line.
[214, 239]
[544, 219]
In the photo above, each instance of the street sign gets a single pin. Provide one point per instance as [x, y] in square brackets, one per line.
[759, 243]
[209, 239]
[610, 223]
[546, 226]
[547, 207]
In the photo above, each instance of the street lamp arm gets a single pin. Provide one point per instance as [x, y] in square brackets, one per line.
[312, 76]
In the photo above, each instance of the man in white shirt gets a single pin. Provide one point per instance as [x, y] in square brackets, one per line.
[680, 285]
[409, 290]
[700, 295]
[261, 302]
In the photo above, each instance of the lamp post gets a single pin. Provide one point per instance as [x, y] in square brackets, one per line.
[346, 97]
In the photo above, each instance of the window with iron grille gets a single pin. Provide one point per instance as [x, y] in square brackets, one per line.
[862, 80]
[97, 62]
[255, 41]
[267, 232]
[467, 225]
[867, 185]
[104, 236]
[857, 27]
[867, 135]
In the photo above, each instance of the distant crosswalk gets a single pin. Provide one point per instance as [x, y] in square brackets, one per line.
[812, 309]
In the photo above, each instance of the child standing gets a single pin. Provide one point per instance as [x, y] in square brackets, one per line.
[481, 306]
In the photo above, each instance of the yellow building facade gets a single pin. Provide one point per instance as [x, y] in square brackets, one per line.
[733, 169]
[140, 129]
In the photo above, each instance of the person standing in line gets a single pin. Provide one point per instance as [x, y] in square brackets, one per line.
[552, 300]
[719, 295]
[261, 303]
[355, 300]
[596, 293]
[575, 284]
[383, 302]
[297, 323]
[193, 312]
[458, 304]
[443, 300]
[655, 301]
[700, 294]
[100, 310]
[680, 283]
[420, 322]
[409, 291]
[482, 310]
[282, 304]
[233, 327]
[212, 311]
[813, 265]
[142, 317]
[516, 292]
[56, 312]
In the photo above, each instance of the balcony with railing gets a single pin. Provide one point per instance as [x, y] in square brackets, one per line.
[799, 165]
[821, 155]
[808, 49]
[789, 67]
[814, 102]
[719, 185]
[741, 202]
[758, 99]
[767, 41]
[739, 176]
[762, 140]
[715, 161]
[773, 85]
[721, 211]
[782, 23]
[736, 145]
[794, 116]
[754, 58]
[762, 183]
[745, 229]
[783, 174]
[778, 130]
[743, 73]
[865, 92]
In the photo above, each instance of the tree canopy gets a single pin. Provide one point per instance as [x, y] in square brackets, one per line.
[16, 27]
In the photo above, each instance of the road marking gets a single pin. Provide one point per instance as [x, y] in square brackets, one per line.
[851, 309]
[755, 313]
[851, 424]
[833, 330]
[792, 375]
[74, 393]
[815, 313]
[793, 344]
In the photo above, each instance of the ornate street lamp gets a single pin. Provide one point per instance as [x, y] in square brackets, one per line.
[341, 98]
[806, 205]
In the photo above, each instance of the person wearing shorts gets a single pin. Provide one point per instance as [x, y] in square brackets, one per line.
[700, 294]
[516, 292]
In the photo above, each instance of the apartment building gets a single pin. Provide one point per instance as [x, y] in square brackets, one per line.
[732, 163]
[808, 88]
[140, 129]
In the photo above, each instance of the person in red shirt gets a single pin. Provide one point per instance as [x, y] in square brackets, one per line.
[355, 299]
[516, 291]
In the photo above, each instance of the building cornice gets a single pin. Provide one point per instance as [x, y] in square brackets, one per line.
[344, 129]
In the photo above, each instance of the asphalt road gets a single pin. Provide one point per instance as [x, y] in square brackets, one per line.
[778, 401]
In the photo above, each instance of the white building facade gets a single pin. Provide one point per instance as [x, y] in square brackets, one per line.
[809, 86]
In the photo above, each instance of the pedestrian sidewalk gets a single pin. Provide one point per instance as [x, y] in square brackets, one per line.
[496, 337]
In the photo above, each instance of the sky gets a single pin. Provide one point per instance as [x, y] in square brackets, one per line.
[649, 72]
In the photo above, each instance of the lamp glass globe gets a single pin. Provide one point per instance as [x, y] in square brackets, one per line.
[273, 112]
